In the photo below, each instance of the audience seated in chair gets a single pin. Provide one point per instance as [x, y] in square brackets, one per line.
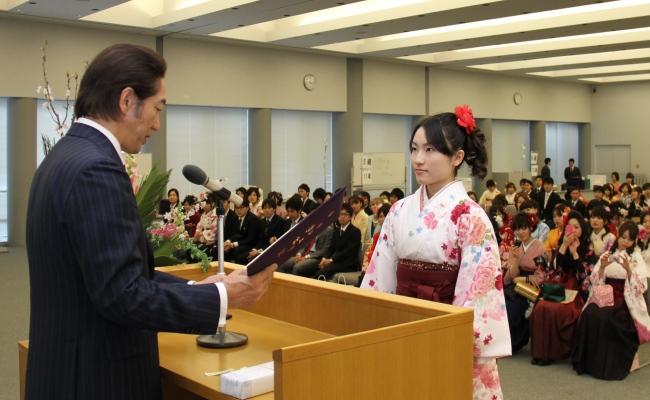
[615, 320]
[343, 253]
[245, 233]
[192, 215]
[254, 196]
[489, 194]
[547, 202]
[601, 237]
[359, 217]
[553, 324]
[307, 203]
[271, 228]
[382, 212]
[279, 210]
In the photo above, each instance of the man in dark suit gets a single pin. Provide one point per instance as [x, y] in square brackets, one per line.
[96, 301]
[245, 235]
[271, 228]
[546, 170]
[576, 202]
[343, 254]
[307, 203]
[572, 171]
[548, 201]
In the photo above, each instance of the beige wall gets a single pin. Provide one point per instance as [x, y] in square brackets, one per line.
[490, 96]
[393, 88]
[68, 48]
[214, 74]
[621, 117]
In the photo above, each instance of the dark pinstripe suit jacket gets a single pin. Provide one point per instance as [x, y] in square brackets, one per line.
[96, 302]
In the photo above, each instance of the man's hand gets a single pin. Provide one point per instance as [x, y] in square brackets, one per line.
[252, 254]
[324, 262]
[298, 259]
[227, 246]
[212, 279]
[245, 291]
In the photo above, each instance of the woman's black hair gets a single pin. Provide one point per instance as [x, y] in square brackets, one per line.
[585, 239]
[189, 199]
[173, 190]
[630, 175]
[633, 229]
[629, 188]
[559, 209]
[253, 189]
[641, 218]
[385, 209]
[521, 222]
[277, 196]
[495, 227]
[602, 213]
[618, 178]
[241, 189]
[210, 199]
[446, 136]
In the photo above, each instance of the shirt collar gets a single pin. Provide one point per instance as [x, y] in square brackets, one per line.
[106, 133]
[344, 227]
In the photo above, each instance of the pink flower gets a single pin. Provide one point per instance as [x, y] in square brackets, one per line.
[642, 233]
[465, 118]
[458, 211]
[471, 231]
[498, 283]
[483, 280]
[430, 220]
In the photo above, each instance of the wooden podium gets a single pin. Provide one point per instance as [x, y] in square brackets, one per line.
[328, 341]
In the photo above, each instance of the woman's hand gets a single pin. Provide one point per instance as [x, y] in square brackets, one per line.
[516, 252]
[573, 245]
[625, 263]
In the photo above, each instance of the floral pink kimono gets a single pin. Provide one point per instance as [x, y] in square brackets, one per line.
[451, 235]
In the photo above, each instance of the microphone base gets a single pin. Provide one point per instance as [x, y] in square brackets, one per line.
[222, 340]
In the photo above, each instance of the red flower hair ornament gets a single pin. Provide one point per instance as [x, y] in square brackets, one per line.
[533, 221]
[465, 118]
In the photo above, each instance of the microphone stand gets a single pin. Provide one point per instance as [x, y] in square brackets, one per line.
[222, 338]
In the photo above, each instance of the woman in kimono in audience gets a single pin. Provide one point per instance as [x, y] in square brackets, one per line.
[601, 237]
[254, 196]
[438, 245]
[553, 239]
[206, 230]
[644, 237]
[626, 194]
[553, 325]
[613, 325]
[528, 260]
[505, 233]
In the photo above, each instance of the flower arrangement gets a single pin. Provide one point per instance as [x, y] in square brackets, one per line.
[132, 169]
[170, 237]
[60, 121]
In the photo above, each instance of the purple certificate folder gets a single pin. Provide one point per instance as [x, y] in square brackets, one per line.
[300, 235]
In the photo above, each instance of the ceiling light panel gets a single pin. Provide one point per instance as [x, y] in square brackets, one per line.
[69, 10]
[623, 78]
[607, 56]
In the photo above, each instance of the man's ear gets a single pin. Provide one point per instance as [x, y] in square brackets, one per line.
[128, 99]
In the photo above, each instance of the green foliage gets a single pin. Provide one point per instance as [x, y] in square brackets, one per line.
[151, 192]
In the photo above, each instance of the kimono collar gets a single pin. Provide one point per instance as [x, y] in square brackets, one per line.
[445, 199]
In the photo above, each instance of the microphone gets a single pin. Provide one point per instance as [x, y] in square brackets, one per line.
[197, 176]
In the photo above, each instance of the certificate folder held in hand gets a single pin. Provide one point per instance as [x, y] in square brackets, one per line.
[300, 235]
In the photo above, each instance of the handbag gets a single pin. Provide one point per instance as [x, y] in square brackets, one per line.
[528, 290]
[553, 292]
[603, 295]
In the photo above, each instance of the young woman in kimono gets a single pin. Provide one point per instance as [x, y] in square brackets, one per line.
[609, 336]
[505, 233]
[527, 263]
[553, 325]
[438, 245]
[601, 237]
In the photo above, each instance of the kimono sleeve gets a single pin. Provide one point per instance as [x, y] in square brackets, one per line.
[480, 286]
[381, 274]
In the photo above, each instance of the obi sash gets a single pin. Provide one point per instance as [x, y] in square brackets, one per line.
[427, 281]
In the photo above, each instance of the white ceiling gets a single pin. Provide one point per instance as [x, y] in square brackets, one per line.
[576, 40]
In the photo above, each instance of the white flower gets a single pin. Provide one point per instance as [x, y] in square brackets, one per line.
[44, 105]
[67, 93]
[38, 89]
[168, 216]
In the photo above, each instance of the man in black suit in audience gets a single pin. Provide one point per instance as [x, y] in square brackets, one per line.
[271, 228]
[577, 203]
[343, 253]
[245, 234]
[365, 201]
[548, 201]
[307, 203]
[572, 171]
[319, 195]
[538, 189]
[546, 170]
